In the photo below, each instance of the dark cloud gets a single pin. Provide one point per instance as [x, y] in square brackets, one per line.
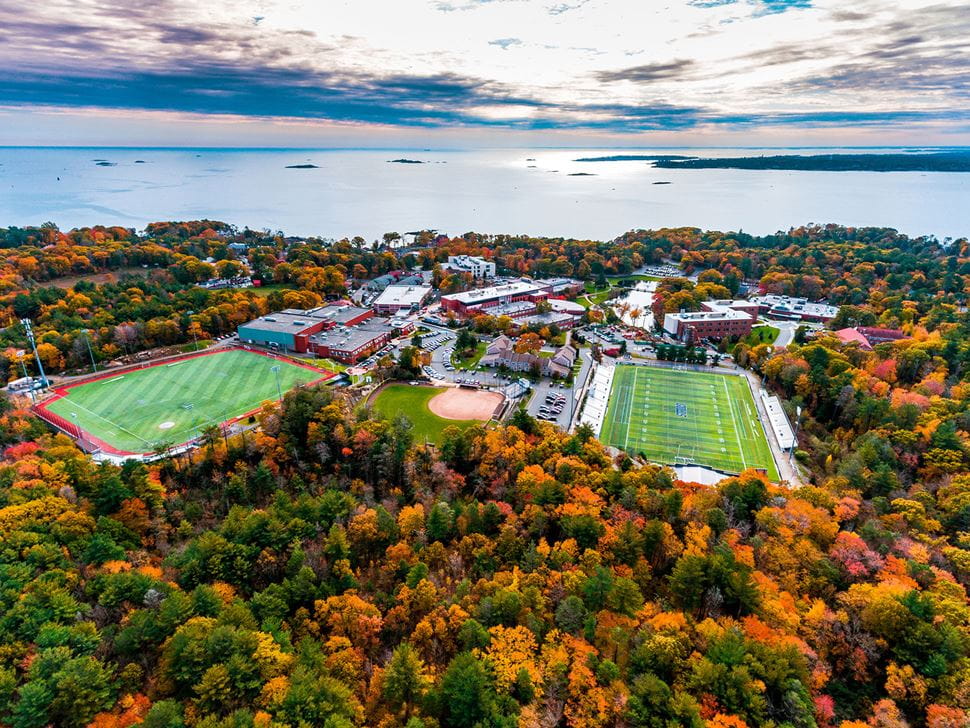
[649, 72]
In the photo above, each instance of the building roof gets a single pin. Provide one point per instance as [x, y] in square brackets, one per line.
[349, 338]
[479, 295]
[724, 314]
[402, 296]
[848, 336]
[560, 305]
[800, 306]
[295, 320]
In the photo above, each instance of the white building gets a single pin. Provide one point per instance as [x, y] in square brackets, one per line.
[401, 298]
[478, 267]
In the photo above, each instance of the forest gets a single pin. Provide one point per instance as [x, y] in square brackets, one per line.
[329, 570]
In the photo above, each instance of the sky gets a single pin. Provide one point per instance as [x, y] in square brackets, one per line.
[457, 73]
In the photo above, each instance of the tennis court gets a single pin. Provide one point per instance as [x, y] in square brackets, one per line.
[686, 417]
[173, 402]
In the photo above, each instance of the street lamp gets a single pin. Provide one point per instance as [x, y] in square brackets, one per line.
[279, 389]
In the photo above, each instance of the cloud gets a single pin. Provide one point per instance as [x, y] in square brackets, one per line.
[648, 72]
[505, 43]
[744, 64]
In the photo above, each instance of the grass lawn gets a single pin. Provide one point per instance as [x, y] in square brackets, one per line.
[638, 277]
[267, 288]
[404, 399]
[676, 417]
[472, 360]
[328, 364]
[762, 335]
[172, 403]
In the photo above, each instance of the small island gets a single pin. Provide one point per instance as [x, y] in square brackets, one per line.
[661, 183]
[104, 163]
[302, 166]
[581, 174]
[404, 161]
[896, 162]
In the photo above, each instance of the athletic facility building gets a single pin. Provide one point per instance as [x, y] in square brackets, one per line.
[290, 330]
[139, 411]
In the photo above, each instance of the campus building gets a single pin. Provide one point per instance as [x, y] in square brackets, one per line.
[395, 299]
[514, 299]
[794, 309]
[350, 344]
[490, 300]
[690, 326]
[290, 330]
[478, 267]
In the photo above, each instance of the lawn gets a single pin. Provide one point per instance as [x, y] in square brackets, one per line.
[762, 335]
[404, 399]
[172, 403]
[472, 360]
[678, 417]
[267, 288]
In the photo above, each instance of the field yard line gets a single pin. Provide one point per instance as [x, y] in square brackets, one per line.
[113, 424]
[744, 463]
[629, 418]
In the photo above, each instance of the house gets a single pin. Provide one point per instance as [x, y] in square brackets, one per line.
[868, 337]
[501, 353]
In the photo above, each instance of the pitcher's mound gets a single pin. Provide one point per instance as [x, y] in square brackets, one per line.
[465, 404]
[166, 426]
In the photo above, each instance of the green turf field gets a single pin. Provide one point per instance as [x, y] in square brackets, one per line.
[172, 403]
[412, 402]
[677, 417]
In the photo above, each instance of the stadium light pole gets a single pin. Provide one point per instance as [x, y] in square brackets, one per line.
[33, 344]
[279, 389]
[87, 340]
[798, 419]
[77, 427]
[33, 397]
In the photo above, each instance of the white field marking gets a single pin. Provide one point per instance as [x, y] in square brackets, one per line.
[109, 381]
[113, 424]
[737, 439]
[166, 425]
[626, 443]
[176, 363]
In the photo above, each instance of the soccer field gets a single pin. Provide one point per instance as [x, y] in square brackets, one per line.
[172, 403]
[677, 417]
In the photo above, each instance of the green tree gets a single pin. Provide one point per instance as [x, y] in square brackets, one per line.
[404, 679]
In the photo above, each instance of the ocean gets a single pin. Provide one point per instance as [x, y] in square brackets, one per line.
[541, 192]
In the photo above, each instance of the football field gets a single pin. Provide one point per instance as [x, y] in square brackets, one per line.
[686, 417]
[173, 402]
